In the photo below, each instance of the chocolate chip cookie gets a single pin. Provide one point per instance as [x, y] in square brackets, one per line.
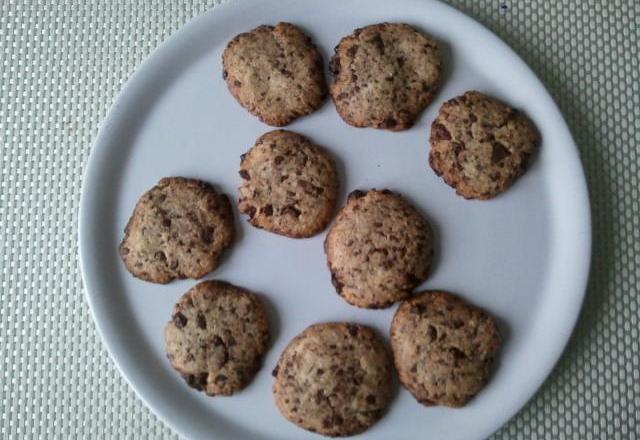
[217, 336]
[178, 229]
[443, 348]
[289, 185]
[479, 146]
[385, 76]
[379, 249]
[275, 72]
[333, 379]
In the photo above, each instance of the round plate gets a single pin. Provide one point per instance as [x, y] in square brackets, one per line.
[524, 256]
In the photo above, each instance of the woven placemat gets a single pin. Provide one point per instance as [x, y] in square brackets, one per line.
[63, 63]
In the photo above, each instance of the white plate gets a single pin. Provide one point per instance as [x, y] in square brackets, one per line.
[524, 256]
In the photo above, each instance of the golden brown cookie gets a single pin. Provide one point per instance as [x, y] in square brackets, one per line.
[276, 73]
[333, 379]
[289, 185]
[217, 336]
[379, 249]
[479, 145]
[385, 76]
[178, 229]
[443, 348]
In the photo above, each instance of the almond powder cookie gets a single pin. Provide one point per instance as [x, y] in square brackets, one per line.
[385, 76]
[276, 73]
[479, 145]
[333, 379]
[217, 336]
[178, 229]
[443, 348]
[289, 185]
[379, 249]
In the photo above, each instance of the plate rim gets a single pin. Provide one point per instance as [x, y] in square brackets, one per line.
[137, 79]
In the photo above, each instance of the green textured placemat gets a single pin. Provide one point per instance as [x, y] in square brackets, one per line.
[63, 63]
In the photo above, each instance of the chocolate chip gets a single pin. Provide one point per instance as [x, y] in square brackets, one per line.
[201, 320]
[278, 160]
[160, 256]
[166, 222]
[356, 194]
[237, 83]
[439, 132]
[192, 216]
[319, 396]
[331, 421]
[457, 353]
[352, 50]
[400, 61]
[243, 157]
[174, 264]
[207, 234]
[458, 147]
[319, 371]
[371, 399]
[267, 210]
[275, 371]
[433, 333]
[310, 188]
[418, 309]
[225, 74]
[498, 152]
[389, 122]
[217, 341]
[244, 174]
[179, 320]
[334, 65]
[378, 43]
[337, 284]
[352, 329]
[197, 381]
[291, 210]
[414, 369]
[220, 378]
[387, 264]
[250, 211]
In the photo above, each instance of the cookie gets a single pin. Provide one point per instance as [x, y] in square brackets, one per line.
[289, 185]
[276, 73]
[443, 348]
[178, 229]
[333, 379]
[379, 249]
[385, 75]
[217, 336]
[479, 146]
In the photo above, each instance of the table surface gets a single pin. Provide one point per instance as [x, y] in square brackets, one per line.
[62, 65]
